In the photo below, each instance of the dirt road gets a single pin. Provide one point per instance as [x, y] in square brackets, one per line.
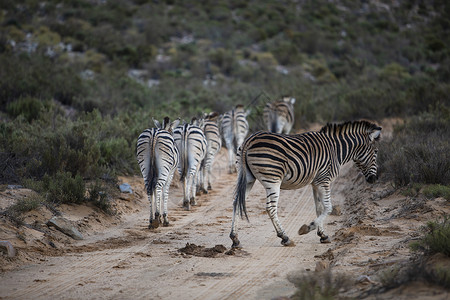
[129, 261]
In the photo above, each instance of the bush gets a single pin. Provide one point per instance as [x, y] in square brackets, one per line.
[436, 238]
[319, 285]
[24, 205]
[99, 196]
[63, 188]
[437, 190]
[28, 107]
[419, 150]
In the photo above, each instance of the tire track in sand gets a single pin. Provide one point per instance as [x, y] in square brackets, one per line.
[252, 274]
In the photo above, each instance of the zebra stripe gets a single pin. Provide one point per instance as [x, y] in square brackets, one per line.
[157, 157]
[213, 145]
[191, 143]
[279, 116]
[234, 128]
[293, 161]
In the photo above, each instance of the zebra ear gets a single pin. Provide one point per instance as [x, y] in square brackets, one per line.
[156, 122]
[247, 112]
[375, 135]
[170, 127]
[292, 100]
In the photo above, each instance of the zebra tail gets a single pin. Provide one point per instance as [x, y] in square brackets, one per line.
[152, 173]
[273, 121]
[184, 156]
[241, 187]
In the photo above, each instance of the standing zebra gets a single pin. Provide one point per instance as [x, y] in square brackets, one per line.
[294, 161]
[157, 156]
[234, 128]
[279, 115]
[191, 144]
[213, 145]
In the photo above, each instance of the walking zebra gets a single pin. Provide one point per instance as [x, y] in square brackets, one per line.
[157, 156]
[234, 128]
[294, 161]
[191, 143]
[213, 145]
[279, 115]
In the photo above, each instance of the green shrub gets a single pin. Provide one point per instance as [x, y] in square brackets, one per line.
[419, 150]
[319, 285]
[24, 205]
[99, 196]
[436, 238]
[437, 190]
[62, 188]
[28, 107]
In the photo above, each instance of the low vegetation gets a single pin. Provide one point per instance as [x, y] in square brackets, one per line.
[435, 240]
[81, 79]
[320, 285]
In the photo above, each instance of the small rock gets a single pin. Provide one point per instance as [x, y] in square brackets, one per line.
[125, 188]
[9, 248]
[322, 265]
[14, 187]
[336, 211]
[66, 227]
[364, 279]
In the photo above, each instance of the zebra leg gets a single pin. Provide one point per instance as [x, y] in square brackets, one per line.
[323, 209]
[186, 194]
[209, 177]
[152, 220]
[233, 233]
[273, 194]
[158, 199]
[166, 197]
[231, 166]
[193, 188]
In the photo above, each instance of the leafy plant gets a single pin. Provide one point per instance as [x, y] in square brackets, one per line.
[436, 238]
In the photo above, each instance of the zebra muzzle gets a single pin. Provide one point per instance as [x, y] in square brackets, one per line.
[372, 178]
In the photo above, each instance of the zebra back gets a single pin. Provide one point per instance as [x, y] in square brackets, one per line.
[279, 116]
[234, 126]
[151, 141]
[191, 143]
[311, 157]
[212, 134]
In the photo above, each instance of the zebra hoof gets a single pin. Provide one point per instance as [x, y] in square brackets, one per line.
[287, 243]
[186, 206]
[193, 202]
[209, 188]
[325, 240]
[166, 224]
[236, 245]
[153, 224]
[303, 230]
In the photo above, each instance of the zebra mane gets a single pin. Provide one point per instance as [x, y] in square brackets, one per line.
[350, 126]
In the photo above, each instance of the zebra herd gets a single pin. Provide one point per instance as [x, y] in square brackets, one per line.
[273, 157]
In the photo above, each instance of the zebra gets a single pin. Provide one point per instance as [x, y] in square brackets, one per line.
[191, 143]
[294, 161]
[279, 116]
[157, 157]
[234, 129]
[213, 145]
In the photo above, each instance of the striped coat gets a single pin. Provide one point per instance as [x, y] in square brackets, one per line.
[191, 144]
[279, 116]
[157, 157]
[213, 145]
[280, 161]
[234, 128]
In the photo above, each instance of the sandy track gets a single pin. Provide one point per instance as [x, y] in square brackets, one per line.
[129, 261]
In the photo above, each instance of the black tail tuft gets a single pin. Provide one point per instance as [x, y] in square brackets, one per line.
[152, 177]
[239, 193]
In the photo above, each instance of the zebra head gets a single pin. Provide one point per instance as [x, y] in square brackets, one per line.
[366, 157]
